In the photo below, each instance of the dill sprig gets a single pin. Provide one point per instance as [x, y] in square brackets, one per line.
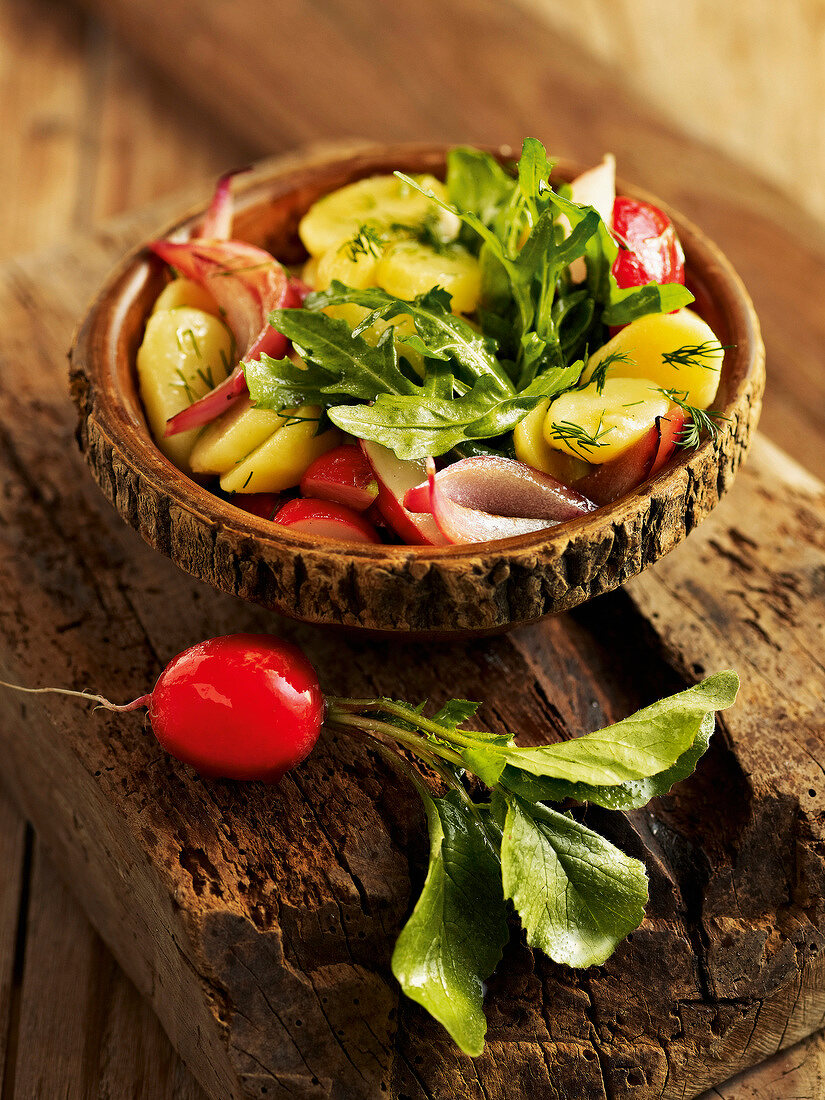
[702, 421]
[691, 355]
[577, 437]
[599, 375]
[368, 241]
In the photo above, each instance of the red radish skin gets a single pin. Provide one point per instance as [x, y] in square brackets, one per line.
[327, 519]
[343, 475]
[639, 463]
[650, 251]
[395, 477]
[245, 706]
[264, 505]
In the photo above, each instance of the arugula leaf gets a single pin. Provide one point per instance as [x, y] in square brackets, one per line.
[647, 743]
[455, 713]
[443, 333]
[577, 895]
[458, 928]
[477, 183]
[623, 796]
[628, 303]
[418, 425]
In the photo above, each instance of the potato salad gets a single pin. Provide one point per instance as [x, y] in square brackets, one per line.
[456, 360]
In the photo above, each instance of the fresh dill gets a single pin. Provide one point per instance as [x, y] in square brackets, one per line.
[184, 383]
[577, 437]
[702, 421]
[192, 339]
[241, 270]
[205, 375]
[599, 375]
[691, 355]
[368, 241]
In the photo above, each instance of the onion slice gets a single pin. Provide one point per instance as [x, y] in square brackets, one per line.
[217, 223]
[247, 283]
[484, 498]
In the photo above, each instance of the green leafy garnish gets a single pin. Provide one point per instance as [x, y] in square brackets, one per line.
[458, 928]
[577, 437]
[368, 241]
[599, 375]
[693, 355]
[578, 896]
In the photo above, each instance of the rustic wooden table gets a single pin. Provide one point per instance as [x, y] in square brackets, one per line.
[98, 132]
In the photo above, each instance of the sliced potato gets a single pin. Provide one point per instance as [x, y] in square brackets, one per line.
[646, 345]
[279, 462]
[184, 354]
[380, 201]
[309, 272]
[185, 292]
[227, 441]
[533, 448]
[409, 268]
[356, 269]
[600, 426]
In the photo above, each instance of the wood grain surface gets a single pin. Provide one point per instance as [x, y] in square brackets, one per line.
[70, 93]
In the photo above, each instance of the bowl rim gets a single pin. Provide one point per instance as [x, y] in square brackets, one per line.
[271, 182]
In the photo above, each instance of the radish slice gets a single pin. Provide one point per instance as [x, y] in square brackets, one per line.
[326, 518]
[395, 477]
[217, 224]
[247, 283]
[640, 462]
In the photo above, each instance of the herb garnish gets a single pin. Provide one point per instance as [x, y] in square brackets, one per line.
[691, 355]
[599, 375]
[702, 421]
[575, 436]
[368, 241]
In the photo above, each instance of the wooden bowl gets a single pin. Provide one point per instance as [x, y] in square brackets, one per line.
[414, 590]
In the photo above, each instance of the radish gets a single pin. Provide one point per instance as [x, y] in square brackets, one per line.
[343, 475]
[217, 224]
[245, 706]
[650, 251]
[327, 519]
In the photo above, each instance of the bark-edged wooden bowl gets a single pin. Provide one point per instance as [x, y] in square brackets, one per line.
[409, 590]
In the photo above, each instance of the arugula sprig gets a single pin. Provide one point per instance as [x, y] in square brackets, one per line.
[576, 893]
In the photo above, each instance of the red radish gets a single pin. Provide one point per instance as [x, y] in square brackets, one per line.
[326, 518]
[650, 251]
[343, 475]
[217, 224]
[640, 462]
[245, 706]
[264, 505]
[395, 477]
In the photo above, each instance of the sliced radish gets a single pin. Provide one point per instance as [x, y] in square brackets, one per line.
[670, 428]
[597, 188]
[395, 477]
[650, 250]
[264, 505]
[343, 475]
[326, 518]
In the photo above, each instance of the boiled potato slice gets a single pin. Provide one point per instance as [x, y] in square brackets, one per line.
[646, 344]
[227, 441]
[279, 462]
[612, 420]
[185, 292]
[382, 202]
[184, 354]
[533, 448]
[409, 268]
[356, 269]
[309, 272]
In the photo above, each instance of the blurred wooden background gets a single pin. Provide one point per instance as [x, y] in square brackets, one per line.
[108, 107]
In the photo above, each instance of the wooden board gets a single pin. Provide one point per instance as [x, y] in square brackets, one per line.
[255, 920]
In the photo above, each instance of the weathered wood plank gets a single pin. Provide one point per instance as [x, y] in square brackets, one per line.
[12, 900]
[254, 919]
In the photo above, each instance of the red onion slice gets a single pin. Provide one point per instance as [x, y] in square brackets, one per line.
[217, 224]
[485, 498]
